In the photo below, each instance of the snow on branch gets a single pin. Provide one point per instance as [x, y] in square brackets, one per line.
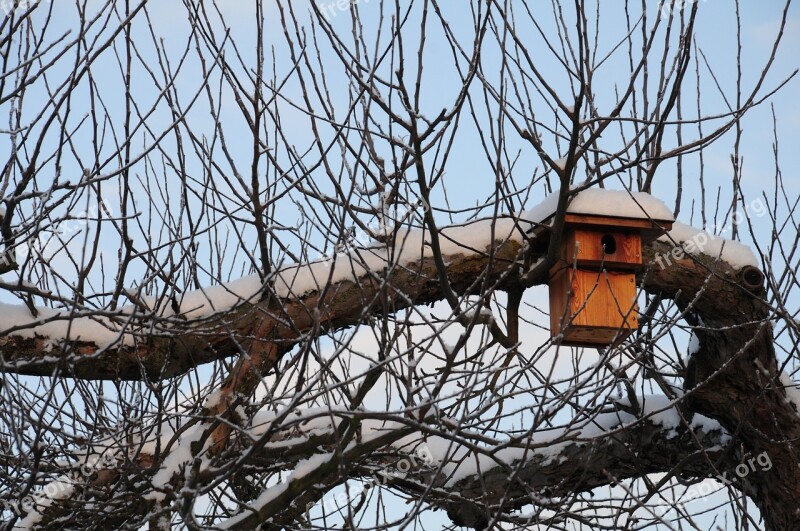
[110, 347]
[463, 466]
[611, 446]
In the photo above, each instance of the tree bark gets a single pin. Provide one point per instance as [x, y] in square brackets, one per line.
[733, 378]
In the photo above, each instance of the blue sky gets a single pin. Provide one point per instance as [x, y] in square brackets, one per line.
[469, 179]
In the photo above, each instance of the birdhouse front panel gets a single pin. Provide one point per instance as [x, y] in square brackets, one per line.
[592, 307]
[595, 248]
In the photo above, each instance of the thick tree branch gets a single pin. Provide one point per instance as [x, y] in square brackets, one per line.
[280, 321]
[731, 379]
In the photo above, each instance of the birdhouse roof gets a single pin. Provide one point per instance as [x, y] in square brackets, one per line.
[605, 203]
[620, 209]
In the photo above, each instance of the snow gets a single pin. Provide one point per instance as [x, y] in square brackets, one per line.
[561, 163]
[604, 202]
[661, 411]
[619, 203]
[213, 399]
[302, 469]
[460, 461]
[706, 424]
[465, 239]
[604, 422]
[792, 391]
[180, 455]
[59, 489]
[696, 241]
[548, 445]
[60, 324]
[458, 458]
[694, 344]
[295, 280]
[307, 421]
[411, 246]
[300, 279]
[207, 301]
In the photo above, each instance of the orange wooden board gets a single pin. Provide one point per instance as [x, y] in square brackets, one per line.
[590, 307]
[597, 248]
[585, 336]
[649, 229]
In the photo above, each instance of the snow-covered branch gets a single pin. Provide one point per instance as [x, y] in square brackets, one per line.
[146, 341]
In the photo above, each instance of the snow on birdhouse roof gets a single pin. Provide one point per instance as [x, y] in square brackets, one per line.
[604, 202]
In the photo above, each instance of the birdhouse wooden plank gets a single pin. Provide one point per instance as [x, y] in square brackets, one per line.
[648, 229]
[593, 284]
[592, 307]
[610, 249]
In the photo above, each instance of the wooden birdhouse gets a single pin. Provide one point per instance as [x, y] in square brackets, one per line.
[593, 284]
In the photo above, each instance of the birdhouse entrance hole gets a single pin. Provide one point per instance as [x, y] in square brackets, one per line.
[609, 244]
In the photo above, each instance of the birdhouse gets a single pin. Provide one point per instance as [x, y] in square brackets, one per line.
[593, 283]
